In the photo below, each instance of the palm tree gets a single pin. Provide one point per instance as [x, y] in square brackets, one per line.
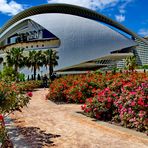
[1, 60]
[50, 60]
[15, 59]
[130, 63]
[34, 61]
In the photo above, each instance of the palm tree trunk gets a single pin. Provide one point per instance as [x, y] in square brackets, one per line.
[50, 70]
[34, 72]
[16, 69]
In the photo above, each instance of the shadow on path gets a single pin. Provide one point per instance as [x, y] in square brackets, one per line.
[31, 137]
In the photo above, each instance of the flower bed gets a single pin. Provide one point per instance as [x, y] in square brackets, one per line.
[120, 98]
[75, 89]
[11, 99]
[28, 85]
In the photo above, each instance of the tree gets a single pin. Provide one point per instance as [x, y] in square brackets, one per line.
[50, 60]
[8, 74]
[1, 60]
[130, 63]
[38, 77]
[15, 59]
[28, 78]
[34, 61]
[21, 77]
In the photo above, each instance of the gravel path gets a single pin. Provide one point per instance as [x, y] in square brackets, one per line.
[44, 124]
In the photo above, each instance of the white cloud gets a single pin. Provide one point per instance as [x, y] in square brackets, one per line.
[123, 5]
[91, 4]
[120, 5]
[143, 32]
[120, 18]
[10, 8]
[96, 4]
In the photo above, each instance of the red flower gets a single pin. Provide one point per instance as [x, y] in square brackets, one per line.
[83, 107]
[141, 102]
[120, 106]
[1, 117]
[29, 94]
[2, 120]
[97, 116]
[89, 100]
[108, 105]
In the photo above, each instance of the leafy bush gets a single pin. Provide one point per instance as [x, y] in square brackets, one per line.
[10, 98]
[124, 101]
[132, 106]
[120, 97]
[75, 88]
[145, 66]
[8, 74]
[28, 85]
[101, 105]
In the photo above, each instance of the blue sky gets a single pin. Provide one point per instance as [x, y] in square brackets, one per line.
[131, 13]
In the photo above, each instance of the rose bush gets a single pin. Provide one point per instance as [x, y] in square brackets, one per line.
[120, 97]
[75, 88]
[124, 101]
[132, 106]
[101, 105]
[11, 99]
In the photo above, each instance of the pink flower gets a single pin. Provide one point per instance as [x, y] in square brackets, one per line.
[132, 119]
[139, 88]
[109, 99]
[133, 93]
[141, 114]
[133, 103]
[95, 109]
[29, 94]
[107, 89]
[114, 95]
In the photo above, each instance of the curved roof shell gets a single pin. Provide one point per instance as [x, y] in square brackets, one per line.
[81, 39]
[68, 9]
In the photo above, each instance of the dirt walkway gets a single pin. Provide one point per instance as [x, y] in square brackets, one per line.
[45, 124]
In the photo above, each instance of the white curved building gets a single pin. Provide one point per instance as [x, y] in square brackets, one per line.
[80, 35]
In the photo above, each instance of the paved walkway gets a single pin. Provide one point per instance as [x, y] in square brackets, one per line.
[44, 124]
